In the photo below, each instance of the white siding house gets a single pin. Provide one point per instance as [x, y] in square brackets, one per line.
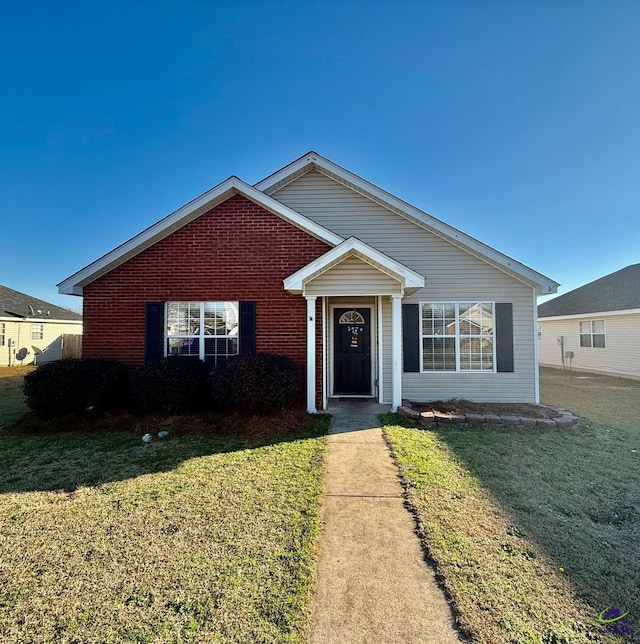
[595, 327]
[33, 330]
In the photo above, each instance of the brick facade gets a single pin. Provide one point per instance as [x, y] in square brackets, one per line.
[236, 251]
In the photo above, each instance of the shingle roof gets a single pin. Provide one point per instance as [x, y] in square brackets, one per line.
[617, 291]
[19, 305]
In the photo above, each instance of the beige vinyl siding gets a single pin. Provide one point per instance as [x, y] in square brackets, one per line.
[620, 355]
[451, 274]
[352, 277]
[51, 344]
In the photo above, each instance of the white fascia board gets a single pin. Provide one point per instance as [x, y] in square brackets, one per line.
[233, 185]
[595, 314]
[408, 277]
[38, 320]
[542, 284]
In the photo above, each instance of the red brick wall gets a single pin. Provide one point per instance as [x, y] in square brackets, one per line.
[237, 251]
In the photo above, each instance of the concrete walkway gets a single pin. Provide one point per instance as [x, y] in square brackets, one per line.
[373, 583]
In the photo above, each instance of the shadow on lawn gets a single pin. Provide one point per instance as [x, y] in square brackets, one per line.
[66, 461]
[574, 493]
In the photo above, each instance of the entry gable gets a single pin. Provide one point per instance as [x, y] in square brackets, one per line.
[354, 266]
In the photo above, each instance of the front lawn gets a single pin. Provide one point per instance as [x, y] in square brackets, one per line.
[535, 532]
[187, 539]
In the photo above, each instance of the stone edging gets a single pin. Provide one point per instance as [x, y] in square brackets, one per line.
[430, 418]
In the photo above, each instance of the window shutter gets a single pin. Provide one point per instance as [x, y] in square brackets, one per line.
[154, 337]
[504, 337]
[410, 338]
[247, 327]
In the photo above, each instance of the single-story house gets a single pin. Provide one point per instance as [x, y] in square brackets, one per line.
[33, 330]
[595, 327]
[370, 296]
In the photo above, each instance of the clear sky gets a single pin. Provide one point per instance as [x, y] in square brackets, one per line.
[517, 122]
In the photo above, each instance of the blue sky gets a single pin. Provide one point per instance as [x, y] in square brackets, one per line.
[516, 122]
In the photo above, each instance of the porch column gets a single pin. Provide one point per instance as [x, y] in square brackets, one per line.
[396, 351]
[311, 354]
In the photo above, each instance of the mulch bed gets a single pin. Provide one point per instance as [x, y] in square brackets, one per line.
[461, 406]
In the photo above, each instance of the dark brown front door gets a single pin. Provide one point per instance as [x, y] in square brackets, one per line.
[352, 351]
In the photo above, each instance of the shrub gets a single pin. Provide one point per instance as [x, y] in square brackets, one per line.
[76, 386]
[175, 385]
[257, 383]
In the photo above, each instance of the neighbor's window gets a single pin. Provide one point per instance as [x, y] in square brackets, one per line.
[37, 331]
[457, 336]
[3, 334]
[592, 334]
[208, 330]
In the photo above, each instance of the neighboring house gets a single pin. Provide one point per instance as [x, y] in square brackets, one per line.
[33, 330]
[370, 296]
[595, 327]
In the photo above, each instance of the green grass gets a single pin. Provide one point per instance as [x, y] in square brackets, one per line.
[190, 539]
[535, 532]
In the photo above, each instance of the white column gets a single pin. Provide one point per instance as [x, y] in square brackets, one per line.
[396, 351]
[380, 353]
[311, 355]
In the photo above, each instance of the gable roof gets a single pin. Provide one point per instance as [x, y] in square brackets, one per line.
[261, 194]
[409, 280]
[314, 161]
[20, 306]
[232, 186]
[617, 291]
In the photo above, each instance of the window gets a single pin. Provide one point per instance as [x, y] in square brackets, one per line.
[3, 334]
[207, 330]
[457, 336]
[37, 331]
[592, 334]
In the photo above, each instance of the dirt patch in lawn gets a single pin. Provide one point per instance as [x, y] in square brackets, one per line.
[461, 406]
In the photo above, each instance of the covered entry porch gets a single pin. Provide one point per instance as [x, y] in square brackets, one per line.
[358, 291]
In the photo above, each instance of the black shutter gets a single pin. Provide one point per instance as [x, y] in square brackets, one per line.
[154, 334]
[410, 338]
[247, 327]
[504, 337]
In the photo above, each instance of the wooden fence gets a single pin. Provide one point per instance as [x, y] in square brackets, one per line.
[71, 346]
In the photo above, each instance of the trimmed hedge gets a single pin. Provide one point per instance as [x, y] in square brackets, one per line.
[176, 384]
[257, 383]
[76, 386]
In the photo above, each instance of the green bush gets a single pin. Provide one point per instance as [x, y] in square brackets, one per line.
[77, 386]
[257, 383]
[175, 385]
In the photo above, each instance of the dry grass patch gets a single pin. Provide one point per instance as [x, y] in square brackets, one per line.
[188, 539]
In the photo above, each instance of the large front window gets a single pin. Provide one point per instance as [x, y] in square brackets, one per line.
[457, 336]
[207, 330]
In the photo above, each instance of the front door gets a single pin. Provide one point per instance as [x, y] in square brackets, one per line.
[352, 351]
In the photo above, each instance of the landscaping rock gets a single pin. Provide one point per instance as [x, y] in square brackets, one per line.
[546, 422]
[475, 419]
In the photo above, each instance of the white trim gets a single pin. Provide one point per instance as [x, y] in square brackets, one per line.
[43, 320]
[331, 345]
[233, 185]
[325, 387]
[314, 161]
[536, 350]
[396, 351]
[380, 350]
[408, 278]
[311, 355]
[598, 314]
